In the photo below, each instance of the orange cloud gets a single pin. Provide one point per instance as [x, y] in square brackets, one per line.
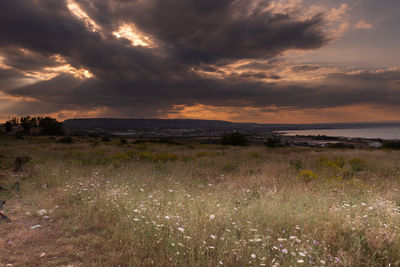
[78, 12]
[133, 34]
[363, 25]
[273, 114]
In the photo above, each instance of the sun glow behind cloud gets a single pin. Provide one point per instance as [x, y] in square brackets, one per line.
[49, 73]
[76, 10]
[2, 65]
[133, 34]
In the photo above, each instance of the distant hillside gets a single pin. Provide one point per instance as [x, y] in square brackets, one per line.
[151, 124]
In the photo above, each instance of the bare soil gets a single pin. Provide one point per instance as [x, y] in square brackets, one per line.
[22, 246]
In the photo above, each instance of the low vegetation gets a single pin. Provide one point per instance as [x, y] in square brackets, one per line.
[127, 203]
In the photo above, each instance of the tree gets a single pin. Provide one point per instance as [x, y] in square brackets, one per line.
[50, 126]
[234, 139]
[14, 121]
[27, 124]
[9, 126]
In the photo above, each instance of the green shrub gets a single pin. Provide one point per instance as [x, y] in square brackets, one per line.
[123, 141]
[307, 176]
[273, 142]
[340, 145]
[234, 139]
[207, 154]
[391, 144]
[358, 164]
[145, 155]
[296, 163]
[20, 162]
[66, 140]
[254, 155]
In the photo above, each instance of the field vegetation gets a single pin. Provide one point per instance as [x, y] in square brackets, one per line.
[125, 203]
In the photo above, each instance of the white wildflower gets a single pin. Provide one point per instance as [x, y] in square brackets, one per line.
[212, 217]
[300, 261]
[253, 256]
[284, 251]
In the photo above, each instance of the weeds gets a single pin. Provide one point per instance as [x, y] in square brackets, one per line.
[144, 204]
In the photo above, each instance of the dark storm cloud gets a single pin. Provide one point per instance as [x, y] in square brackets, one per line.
[209, 30]
[332, 92]
[23, 60]
[189, 34]
[304, 68]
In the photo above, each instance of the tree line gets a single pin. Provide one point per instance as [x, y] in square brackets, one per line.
[45, 125]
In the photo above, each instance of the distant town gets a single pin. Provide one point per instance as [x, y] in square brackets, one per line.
[183, 130]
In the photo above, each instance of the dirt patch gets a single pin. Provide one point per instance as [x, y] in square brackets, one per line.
[43, 246]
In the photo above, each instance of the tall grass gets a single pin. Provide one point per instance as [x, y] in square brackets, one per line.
[205, 205]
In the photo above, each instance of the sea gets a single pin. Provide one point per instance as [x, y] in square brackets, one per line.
[385, 133]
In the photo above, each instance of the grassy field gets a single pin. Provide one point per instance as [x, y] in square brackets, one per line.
[123, 204]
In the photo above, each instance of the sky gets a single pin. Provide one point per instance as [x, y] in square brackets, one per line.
[266, 61]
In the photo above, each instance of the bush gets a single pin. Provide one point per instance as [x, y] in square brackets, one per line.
[296, 163]
[66, 140]
[273, 142]
[20, 162]
[234, 139]
[391, 144]
[340, 145]
[358, 164]
[164, 156]
[307, 176]
[123, 141]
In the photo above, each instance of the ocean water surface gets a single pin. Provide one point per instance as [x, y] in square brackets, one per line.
[386, 133]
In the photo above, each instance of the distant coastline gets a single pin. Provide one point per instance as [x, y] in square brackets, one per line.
[376, 132]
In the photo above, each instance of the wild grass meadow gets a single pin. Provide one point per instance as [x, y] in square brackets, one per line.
[115, 203]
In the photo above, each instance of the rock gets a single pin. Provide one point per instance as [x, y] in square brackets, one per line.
[42, 212]
[3, 189]
[20, 162]
[4, 217]
[16, 186]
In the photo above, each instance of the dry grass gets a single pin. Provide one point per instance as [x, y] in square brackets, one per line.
[205, 205]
